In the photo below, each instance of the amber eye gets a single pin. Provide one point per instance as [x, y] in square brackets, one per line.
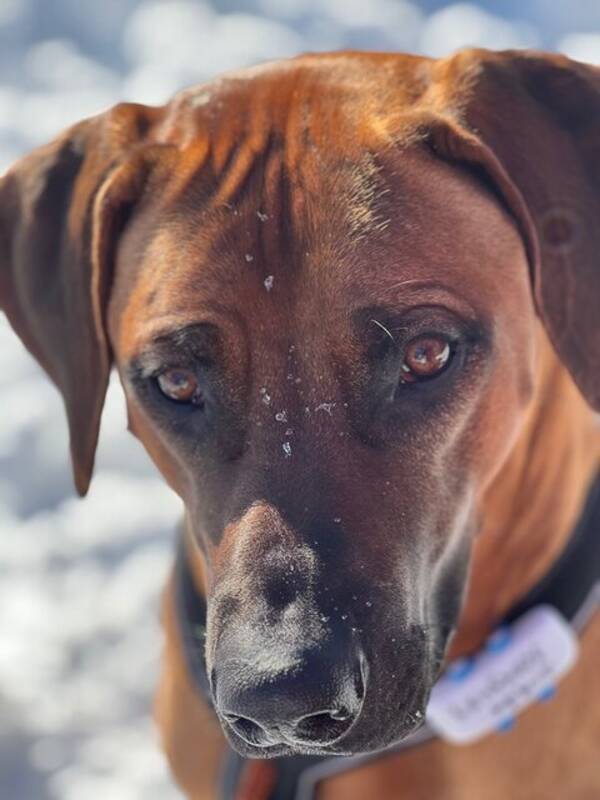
[180, 385]
[425, 357]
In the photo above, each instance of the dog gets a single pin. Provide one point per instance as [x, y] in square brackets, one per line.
[353, 302]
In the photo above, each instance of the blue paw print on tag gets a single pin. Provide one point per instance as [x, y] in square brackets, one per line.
[505, 725]
[499, 640]
[460, 669]
[546, 694]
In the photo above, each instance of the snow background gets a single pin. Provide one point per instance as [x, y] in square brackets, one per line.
[80, 581]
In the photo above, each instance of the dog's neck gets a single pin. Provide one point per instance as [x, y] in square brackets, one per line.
[532, 506]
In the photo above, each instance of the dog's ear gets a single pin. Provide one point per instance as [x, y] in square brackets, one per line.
[61, 210]
[531, 121]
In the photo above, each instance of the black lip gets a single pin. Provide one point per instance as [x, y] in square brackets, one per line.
[282, 750]
[285, 750]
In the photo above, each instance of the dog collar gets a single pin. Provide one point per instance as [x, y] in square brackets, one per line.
[570, 591]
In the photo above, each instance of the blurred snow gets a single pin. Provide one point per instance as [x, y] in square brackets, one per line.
[79, 587]
[80, 581]
[464, 24]
[11, 11]
[582, 47]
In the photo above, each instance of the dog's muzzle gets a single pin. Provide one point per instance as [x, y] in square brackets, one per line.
[310, 703]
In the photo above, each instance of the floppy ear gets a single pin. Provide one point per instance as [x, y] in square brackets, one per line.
[532, 122]
[61, 210]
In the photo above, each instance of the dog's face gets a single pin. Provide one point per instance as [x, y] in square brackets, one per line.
[328, 372]
[315, 282]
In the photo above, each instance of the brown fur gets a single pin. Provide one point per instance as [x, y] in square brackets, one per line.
[356, 183]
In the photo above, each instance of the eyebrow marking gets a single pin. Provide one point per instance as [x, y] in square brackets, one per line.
[198, 342]
[424, 284]
[383, 328]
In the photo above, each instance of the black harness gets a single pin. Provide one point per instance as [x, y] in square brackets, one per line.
[572, 586]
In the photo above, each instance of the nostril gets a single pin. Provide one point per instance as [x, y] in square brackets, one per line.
[323, 726]
[248, 730]
[359, 682]
[341, 714]
[327, 725]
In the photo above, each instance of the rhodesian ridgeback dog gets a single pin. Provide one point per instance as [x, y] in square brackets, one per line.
[353, 300]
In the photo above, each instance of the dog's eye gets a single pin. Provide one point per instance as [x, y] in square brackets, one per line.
[425, 357]
[181, 386]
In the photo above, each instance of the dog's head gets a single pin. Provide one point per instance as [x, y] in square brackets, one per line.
[319, 281]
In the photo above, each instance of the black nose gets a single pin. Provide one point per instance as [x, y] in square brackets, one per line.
[313, 701]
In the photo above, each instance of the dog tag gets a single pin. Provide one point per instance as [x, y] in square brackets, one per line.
[519, 665]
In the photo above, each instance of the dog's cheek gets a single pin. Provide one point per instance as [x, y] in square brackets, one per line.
[448, 598]
[505, 403]
[407, 657]
[157, 448]
[396, 694]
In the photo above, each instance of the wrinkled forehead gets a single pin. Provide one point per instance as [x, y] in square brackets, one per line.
[392, 228]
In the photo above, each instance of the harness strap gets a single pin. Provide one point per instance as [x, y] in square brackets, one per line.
[297, 777]
[572, 586]
[190, 609]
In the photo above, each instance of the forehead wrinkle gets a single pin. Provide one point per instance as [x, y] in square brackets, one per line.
[289, 134]
[301, 109]
[191, 165]
[243, 158]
